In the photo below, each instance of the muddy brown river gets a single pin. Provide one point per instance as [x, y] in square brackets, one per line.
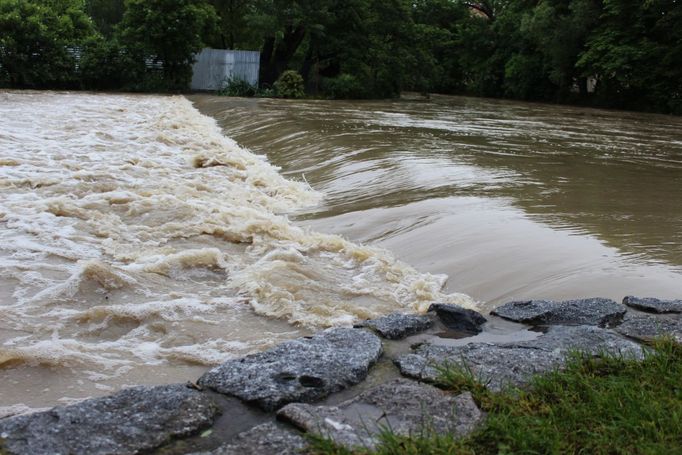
[146, 238]
[510, 200]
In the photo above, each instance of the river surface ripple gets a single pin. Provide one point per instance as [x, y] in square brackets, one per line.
[510, 200]
[140, 245]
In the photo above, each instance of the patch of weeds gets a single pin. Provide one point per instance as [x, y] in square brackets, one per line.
[237, 87]
[459, 377]
[319, 445]
[595, 405]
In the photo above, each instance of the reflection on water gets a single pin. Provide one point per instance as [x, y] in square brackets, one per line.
[511, 200]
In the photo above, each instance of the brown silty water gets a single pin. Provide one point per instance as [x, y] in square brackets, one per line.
[141, 245]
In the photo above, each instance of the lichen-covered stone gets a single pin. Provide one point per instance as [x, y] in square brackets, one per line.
[647, 327]
[305, 369]
[457, 318]
[265, 439]
[131, 421]
[405, 407]
[653, 305]
[397, 325]
[596, 311]
[497, 365]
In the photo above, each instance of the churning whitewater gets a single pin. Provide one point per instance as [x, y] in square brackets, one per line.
[134, 234]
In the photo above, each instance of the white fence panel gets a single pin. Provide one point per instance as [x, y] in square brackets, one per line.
[215, 66]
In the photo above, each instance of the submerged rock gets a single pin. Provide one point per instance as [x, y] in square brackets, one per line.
[131, 421]
[397, 325]
[267, 438]
[497, 365]
[595, 311]
[647, 327]
[458, 318]
[305, 369]
[653, 305]
[405, 407]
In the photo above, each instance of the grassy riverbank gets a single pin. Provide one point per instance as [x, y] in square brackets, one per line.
[596, 406]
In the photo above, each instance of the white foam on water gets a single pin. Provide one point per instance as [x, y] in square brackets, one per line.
[135, 233]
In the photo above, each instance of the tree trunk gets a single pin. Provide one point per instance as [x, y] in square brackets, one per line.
[276, 55]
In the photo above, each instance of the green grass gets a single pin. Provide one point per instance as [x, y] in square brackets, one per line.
[605, 405]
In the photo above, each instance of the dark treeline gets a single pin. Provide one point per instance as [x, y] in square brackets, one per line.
[614, 53]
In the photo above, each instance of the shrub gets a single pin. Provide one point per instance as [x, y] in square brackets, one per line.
[170, 33]
[38, 42]
[106, 65]
[235, 86]
[344, 86]
[290, 85]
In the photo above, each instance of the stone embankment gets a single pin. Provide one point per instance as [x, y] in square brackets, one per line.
[342, 383]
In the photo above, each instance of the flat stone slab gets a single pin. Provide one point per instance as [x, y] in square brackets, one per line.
[405, 407]
[498, 365]
[267, 438]
[653, 305]
[131, 421]
[306, 369]
[596, 311]
[647, 327]
[396, 326]
[457, 318]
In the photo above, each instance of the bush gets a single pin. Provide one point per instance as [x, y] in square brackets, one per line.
[290, 85]
[106, 65]
[344, 86]
[235, 86]
[170, 33]
[38, 42]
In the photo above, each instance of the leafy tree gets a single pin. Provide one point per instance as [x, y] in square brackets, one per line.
[170, 33]
[235, 30]
[106, 65]
[635, 55]
[39, 40]
[106, 14]
[284, 25]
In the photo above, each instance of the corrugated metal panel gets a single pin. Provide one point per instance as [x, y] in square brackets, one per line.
[215, 66]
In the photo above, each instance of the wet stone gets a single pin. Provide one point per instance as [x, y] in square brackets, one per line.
[405, 407]
[306, 369]
[129, 422]
[595, 311]
[458, 318]
[653, 305]
[647, 327]
[396, 326]
[268, 438]
[498, 365]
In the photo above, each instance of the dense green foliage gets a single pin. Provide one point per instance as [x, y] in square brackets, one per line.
[605, 405]
[614, 53]
[169, 32]
[147, 45]
[237, 87]
[37, 40]
[290, 85]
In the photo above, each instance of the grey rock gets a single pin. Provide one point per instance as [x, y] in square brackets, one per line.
[405, 407]
[498, 365]
[647, 327]
[129, 422]
[305, 369]
[653, 305]
[397, 325]
[267, 438]
[457, 318]
[596, 311]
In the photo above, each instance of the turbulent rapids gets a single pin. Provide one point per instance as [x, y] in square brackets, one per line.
[137, 240]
